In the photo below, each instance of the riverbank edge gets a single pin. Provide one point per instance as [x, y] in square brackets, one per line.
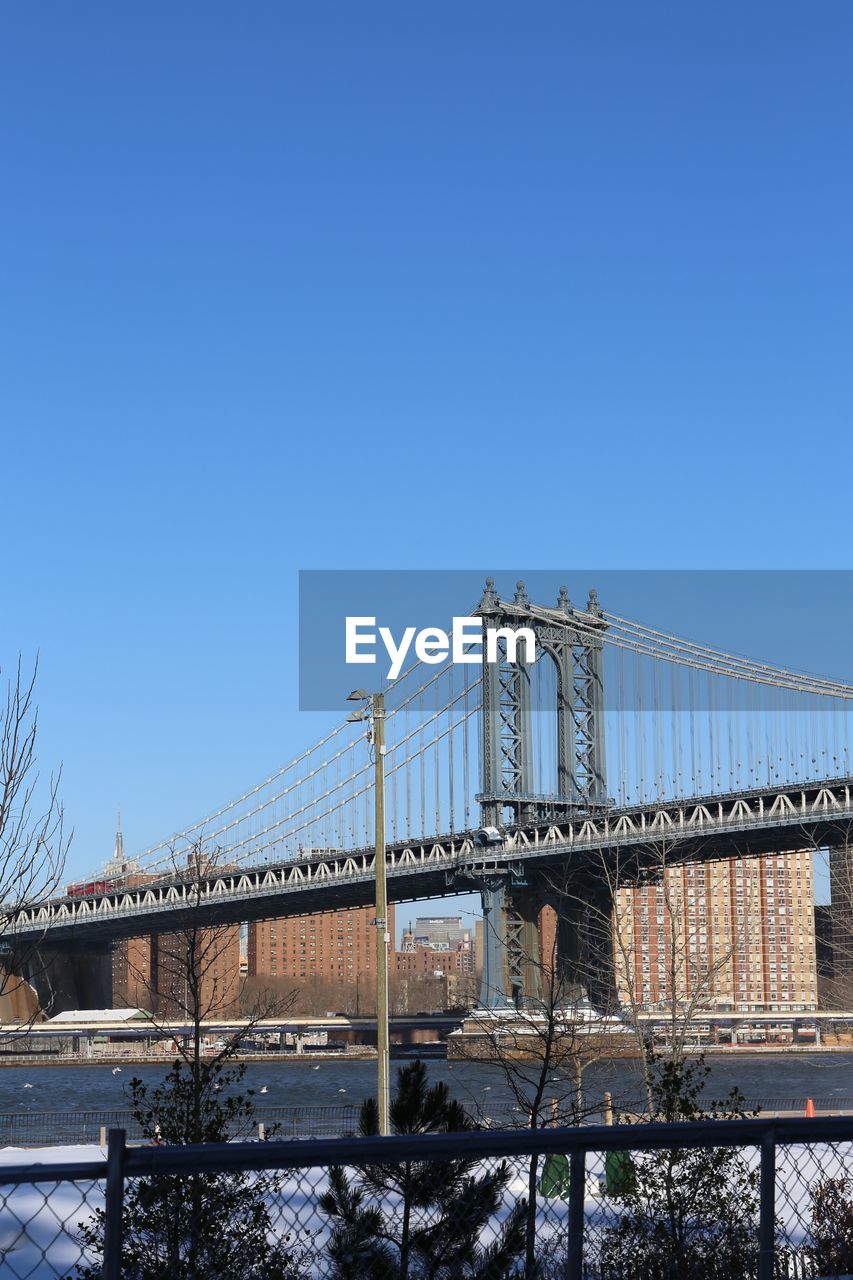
[125, 1060]
[369, 1055]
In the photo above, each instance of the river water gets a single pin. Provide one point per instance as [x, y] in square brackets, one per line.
[772, 1080]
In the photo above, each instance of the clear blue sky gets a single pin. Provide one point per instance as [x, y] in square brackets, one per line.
[545, 284]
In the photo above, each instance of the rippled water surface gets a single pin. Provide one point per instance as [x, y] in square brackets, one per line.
[305, 1083]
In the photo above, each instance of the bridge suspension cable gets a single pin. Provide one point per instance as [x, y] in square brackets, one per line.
[320, 798]
[672, 648]
[332, 810]
[203, 828]
[680, 718]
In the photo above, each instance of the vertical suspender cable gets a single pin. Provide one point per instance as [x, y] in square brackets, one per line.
[466, 774]
[621, 718]
[408, 773]
[422, 768]
[450, 735]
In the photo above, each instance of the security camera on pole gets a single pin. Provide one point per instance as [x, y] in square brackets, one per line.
[383, 938]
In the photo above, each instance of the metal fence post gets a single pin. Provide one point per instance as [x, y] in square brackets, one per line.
[767, 1206]
[577, 1192]
[114, 1205]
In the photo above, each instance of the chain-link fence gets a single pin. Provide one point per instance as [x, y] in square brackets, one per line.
[708, 1200]
[81, 1128]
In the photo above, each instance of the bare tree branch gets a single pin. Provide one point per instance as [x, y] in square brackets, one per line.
[194, 979]
[33, 840]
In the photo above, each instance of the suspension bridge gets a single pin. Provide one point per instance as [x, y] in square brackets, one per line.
[531, 781]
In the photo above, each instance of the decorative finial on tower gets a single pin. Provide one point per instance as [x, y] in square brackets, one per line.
[563, 601]
[521, 595]
[489, 602]
[118, 852]
[592, 605]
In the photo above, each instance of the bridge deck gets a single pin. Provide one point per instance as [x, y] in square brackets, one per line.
[699, 827]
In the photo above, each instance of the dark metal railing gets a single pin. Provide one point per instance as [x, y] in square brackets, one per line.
[124, 1162]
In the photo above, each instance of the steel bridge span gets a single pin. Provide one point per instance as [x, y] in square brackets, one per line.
[558, 862]
[740, 824]
[695, 752]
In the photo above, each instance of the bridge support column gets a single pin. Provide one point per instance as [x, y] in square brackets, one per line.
[506, 753]
[493, 989]
[78, 977]
[512, 963]
[602, 987]
[841, 896]
[585, 944]
[523, 951]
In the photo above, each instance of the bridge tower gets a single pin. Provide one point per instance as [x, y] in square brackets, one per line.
[573, 640]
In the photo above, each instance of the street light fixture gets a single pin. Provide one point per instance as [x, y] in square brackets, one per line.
[376, 715]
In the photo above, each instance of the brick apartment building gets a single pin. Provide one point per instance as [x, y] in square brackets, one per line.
[150, 972]
[131, 974]
[426, 962]
[337, 947]
[740, 931]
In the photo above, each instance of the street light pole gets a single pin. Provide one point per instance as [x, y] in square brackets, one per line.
[383, 937]
[382, 934]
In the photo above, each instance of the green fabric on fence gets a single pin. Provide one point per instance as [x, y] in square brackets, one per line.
[619, 1176]
[555, 1175]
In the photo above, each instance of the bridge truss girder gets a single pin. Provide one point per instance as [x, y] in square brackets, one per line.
[517, 964]
[698, 828]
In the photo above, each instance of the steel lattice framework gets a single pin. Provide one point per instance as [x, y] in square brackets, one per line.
[573, 640]
[712, 752]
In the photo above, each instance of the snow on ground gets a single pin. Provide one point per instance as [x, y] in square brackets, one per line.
[39, 1221]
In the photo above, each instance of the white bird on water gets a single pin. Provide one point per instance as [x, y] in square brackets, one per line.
[315, 1068]
[28, 1086]
[264, 1089]
[116, 1071]
[341, 1090]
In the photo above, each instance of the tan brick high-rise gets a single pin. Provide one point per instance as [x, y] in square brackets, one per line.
[739, 932]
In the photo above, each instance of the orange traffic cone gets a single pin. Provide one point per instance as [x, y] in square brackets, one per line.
[810, 1109]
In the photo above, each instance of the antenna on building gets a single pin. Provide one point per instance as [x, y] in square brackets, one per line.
[118, 852]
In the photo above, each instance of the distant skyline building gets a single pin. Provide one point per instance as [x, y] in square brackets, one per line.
[436, 965]
[119, 865]
[738, 932]
[437, 945]
[442, 933]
